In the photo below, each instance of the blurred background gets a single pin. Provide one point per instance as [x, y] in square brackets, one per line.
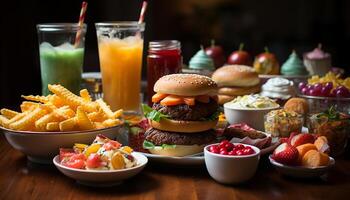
[280, 25]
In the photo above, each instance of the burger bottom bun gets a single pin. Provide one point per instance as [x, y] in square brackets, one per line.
[239, 91]
[178, 150]
[183, 126]
[222, 99]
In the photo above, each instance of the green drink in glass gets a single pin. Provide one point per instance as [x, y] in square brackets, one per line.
[60, 61]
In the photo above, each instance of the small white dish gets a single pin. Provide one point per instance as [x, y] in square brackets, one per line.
[186, 160]
[301, 172]
[41, 147]
[98, 178]
[231, 169]
[254, 117]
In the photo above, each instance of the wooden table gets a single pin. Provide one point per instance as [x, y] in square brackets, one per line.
[20, 179]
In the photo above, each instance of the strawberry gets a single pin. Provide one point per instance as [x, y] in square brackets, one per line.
[284, 139]
[291, 136]
[286, 154]
[303, 138]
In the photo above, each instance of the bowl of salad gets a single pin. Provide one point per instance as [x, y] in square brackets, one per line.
[332, 124]
[105, 162]
[249, 109]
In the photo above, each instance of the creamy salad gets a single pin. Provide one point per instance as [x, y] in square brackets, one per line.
[254, 101]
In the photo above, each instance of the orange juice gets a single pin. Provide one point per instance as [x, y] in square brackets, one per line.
[121, 62]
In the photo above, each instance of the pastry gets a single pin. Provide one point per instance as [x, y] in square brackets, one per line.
[293, 66]
[298, 105]
[317, 62]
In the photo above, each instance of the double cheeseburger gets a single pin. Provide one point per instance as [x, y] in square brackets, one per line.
[184, 111]
[235, 80]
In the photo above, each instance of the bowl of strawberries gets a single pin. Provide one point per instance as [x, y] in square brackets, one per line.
[302, 155]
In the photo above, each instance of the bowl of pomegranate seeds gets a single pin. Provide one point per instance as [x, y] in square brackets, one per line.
[231, 163]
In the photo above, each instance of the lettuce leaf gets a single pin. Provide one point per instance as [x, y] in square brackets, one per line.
[214, 116]
[152, 114]
[149, 145]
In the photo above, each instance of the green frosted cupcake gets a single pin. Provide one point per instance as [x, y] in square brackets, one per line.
[293, 66]
[201, 61]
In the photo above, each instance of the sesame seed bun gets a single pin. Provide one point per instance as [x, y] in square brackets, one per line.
[222, 99]
[236, 76]
[185, 85]
[239, 91]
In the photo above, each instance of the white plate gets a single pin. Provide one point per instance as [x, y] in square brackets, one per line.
[302, 172]
[100, 178]
[188, 160]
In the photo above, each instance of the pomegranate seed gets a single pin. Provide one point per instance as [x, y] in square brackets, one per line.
[239, 146]
[239, 152]
[223, 152]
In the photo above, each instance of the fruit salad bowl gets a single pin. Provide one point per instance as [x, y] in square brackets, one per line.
[318, 104]
[102, 177]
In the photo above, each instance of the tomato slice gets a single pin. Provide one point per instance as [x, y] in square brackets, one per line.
[94, 161]
[189, 101]
[157, 97]
[172, 100]
[203, 98]
[111, 145]
[66, 153]
[77, 164]
[74, 161]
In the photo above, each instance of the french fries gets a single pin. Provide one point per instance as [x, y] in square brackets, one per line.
[61, 111]
[8, 113]
[85, 95]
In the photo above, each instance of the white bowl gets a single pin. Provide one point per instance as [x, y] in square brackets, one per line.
[301, 172]
[254, 117]
[102, 177]
[231, 169]
[41, 147]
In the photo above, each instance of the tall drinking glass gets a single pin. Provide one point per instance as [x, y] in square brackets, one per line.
[60, 61]
[120, 46]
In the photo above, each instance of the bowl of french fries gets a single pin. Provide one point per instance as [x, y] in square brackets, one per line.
[61, 119]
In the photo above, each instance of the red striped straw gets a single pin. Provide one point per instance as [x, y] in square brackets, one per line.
[143, 11]
[80, 24]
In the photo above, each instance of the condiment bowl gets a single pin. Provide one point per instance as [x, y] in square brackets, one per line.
[231, 169]
[41, 147]
[254, 117]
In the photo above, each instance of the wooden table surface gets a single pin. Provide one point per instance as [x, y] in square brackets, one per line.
[21, 179]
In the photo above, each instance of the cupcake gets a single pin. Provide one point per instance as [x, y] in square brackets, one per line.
[280, 89]
[317, 62]
[201, 63]
[294, 66]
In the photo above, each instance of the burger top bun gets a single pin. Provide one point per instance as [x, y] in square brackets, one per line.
[185, 85]
[236, 76]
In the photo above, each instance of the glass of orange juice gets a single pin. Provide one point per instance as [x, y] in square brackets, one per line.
[120, 46]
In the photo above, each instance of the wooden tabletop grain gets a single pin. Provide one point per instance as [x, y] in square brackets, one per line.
[21, 179]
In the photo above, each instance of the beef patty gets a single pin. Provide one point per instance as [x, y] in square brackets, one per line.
[159, 137]
[197, 112]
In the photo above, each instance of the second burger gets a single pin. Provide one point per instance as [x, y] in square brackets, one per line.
[235, 80]
[183, 115]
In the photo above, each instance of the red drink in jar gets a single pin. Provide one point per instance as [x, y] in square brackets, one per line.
[164, 57]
